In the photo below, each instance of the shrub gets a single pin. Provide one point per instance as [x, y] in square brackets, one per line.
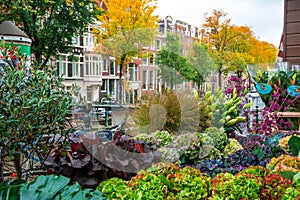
[169, 155]
[219, 137]
[188, 146]
[228, 186]
[33, 106]
[232, 147]
[284, 163]
[275, 187]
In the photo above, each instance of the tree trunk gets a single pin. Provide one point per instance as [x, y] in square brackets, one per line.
[120, 78]
[220, 78]
[17, 165]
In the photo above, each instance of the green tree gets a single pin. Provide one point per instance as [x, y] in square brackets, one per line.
[50, 25]
[202, 62]
[33, 109]
[126, 27]
[174, 68]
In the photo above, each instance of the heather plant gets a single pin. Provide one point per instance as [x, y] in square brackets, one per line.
[271, 121]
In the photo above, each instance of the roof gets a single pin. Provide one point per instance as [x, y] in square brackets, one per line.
[9, 28]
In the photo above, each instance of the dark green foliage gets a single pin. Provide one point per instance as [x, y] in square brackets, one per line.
[50, 25]
[294, 145]
[47, 187]
[33, 108]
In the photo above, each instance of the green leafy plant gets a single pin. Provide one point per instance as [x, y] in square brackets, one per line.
[161, 181]
[190, 183]
[33, 109]
[284, 163]
[294, 145]
[164, 137]
[228, 186]
[296, 180]
[169, 155]
[115, 188]
[232, 146]
[275, 187]
[47, 187]
[257, 171]
[218, 136]
[188, 146]
[161, 138]
[227, 111]
[291, 194]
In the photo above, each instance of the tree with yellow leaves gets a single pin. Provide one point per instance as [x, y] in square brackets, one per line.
[125, 26]
[234, 47]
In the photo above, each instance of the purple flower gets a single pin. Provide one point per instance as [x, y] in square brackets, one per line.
[288, 124]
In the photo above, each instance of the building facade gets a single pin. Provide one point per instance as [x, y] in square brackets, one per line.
[97, 75]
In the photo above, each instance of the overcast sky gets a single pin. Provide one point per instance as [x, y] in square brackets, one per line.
[265, 17]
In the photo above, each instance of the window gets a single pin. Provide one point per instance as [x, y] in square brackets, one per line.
[111, 67]
[119, 68]
[69, 66]
[133, 72]
[145, 60]
[152, 46]
[104, 65]
[151, 86]
[111, 86]
[89, 93]
[75, 69]
[62, 65]
[151, 59]
[87, 66]
[144, 86]
[103, 86]
[158, 44]
[92, 65]
[75, 40]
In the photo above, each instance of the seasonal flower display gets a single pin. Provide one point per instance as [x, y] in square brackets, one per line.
[232, 146]
[284, 163]
[167, 181]
[283, 97]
